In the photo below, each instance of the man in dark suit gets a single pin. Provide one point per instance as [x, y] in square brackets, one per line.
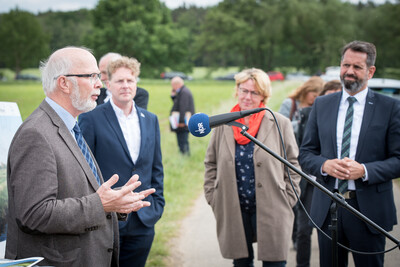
[358, 160]
[141, 97]
[125, 139]
[183, 109]
[59, 207]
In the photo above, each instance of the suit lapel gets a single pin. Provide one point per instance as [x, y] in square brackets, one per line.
[70, 142]
[143, 132]
[267, 124]
[230, 140]
[113, 121]
[367, 117]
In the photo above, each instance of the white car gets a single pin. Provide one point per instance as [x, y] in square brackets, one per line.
[331, 73]
[389, 87]
[297, 76]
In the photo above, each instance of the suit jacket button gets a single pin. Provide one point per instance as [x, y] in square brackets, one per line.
[258, 164]
[108, 216]
[110, 250]
[134, 169]
[259, 185]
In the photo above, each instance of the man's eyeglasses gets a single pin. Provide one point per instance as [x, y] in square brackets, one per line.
[94, 77]
[245, 92]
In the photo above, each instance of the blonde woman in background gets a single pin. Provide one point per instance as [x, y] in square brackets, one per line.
[301, 97]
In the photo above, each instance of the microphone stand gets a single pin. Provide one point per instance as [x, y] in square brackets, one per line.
[337, 198]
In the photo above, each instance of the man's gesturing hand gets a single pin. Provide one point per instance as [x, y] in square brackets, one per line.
[123, 200]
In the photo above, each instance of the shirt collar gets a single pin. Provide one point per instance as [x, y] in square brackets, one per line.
[360, 96]
[66, 117]
[119, 112]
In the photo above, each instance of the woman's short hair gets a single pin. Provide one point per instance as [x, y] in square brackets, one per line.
[261, 79]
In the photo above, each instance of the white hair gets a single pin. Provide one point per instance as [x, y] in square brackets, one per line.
[111, 56]
[55, 66]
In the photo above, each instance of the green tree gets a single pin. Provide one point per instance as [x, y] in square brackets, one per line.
[66, 28]
[378, 25]
[278, 33]
[142, 29]
[316, 30]
[247, 33]
[23, 42]
[190, 18]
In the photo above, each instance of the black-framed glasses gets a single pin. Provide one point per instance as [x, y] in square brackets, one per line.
[92, 76]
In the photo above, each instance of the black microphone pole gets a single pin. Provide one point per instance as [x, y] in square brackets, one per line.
[334, 196]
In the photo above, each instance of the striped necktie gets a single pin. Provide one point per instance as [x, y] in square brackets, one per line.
[85, 151]
[342, 185]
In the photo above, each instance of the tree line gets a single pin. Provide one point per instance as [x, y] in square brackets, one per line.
[267, 34]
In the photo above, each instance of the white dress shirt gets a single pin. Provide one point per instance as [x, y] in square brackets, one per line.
[130, 129]
[108, 96]
[358, 107]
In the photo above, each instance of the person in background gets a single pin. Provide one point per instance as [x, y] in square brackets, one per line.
[331, 87]
[182, 110]
[301, 97]
[58, 206]
[352, 145]
[142, 96]
[125, 139]
[249, 191]
[295, 107]
[303, 226]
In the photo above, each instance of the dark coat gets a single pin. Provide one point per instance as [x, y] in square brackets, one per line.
[104, 136]
[378, 149]
[183, 103]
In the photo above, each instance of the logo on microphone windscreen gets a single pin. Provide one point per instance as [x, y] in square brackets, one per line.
[199, 125]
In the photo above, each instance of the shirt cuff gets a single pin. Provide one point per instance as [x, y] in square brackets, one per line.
[323, 173]
[365, 177]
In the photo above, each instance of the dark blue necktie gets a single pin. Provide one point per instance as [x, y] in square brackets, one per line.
[85, 151]
[342, 185]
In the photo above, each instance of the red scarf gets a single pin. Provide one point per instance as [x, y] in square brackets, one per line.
[254, 125]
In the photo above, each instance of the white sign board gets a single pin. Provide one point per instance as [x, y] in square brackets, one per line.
[10, 120]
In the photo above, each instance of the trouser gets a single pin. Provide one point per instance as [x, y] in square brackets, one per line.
[183, 141]
[304, 229]
[353, 233]
[135, 245]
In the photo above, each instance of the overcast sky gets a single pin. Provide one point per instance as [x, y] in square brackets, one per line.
[35, 6]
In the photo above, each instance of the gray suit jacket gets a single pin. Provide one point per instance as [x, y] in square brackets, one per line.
[54, 210]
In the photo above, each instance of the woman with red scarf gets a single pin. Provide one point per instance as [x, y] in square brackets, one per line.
[248, 189]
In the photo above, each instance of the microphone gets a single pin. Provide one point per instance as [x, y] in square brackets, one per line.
[200, 124]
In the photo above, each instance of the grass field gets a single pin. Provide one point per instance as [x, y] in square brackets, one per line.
[183, 176]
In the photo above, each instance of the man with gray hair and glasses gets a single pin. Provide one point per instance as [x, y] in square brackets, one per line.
[60, 208]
